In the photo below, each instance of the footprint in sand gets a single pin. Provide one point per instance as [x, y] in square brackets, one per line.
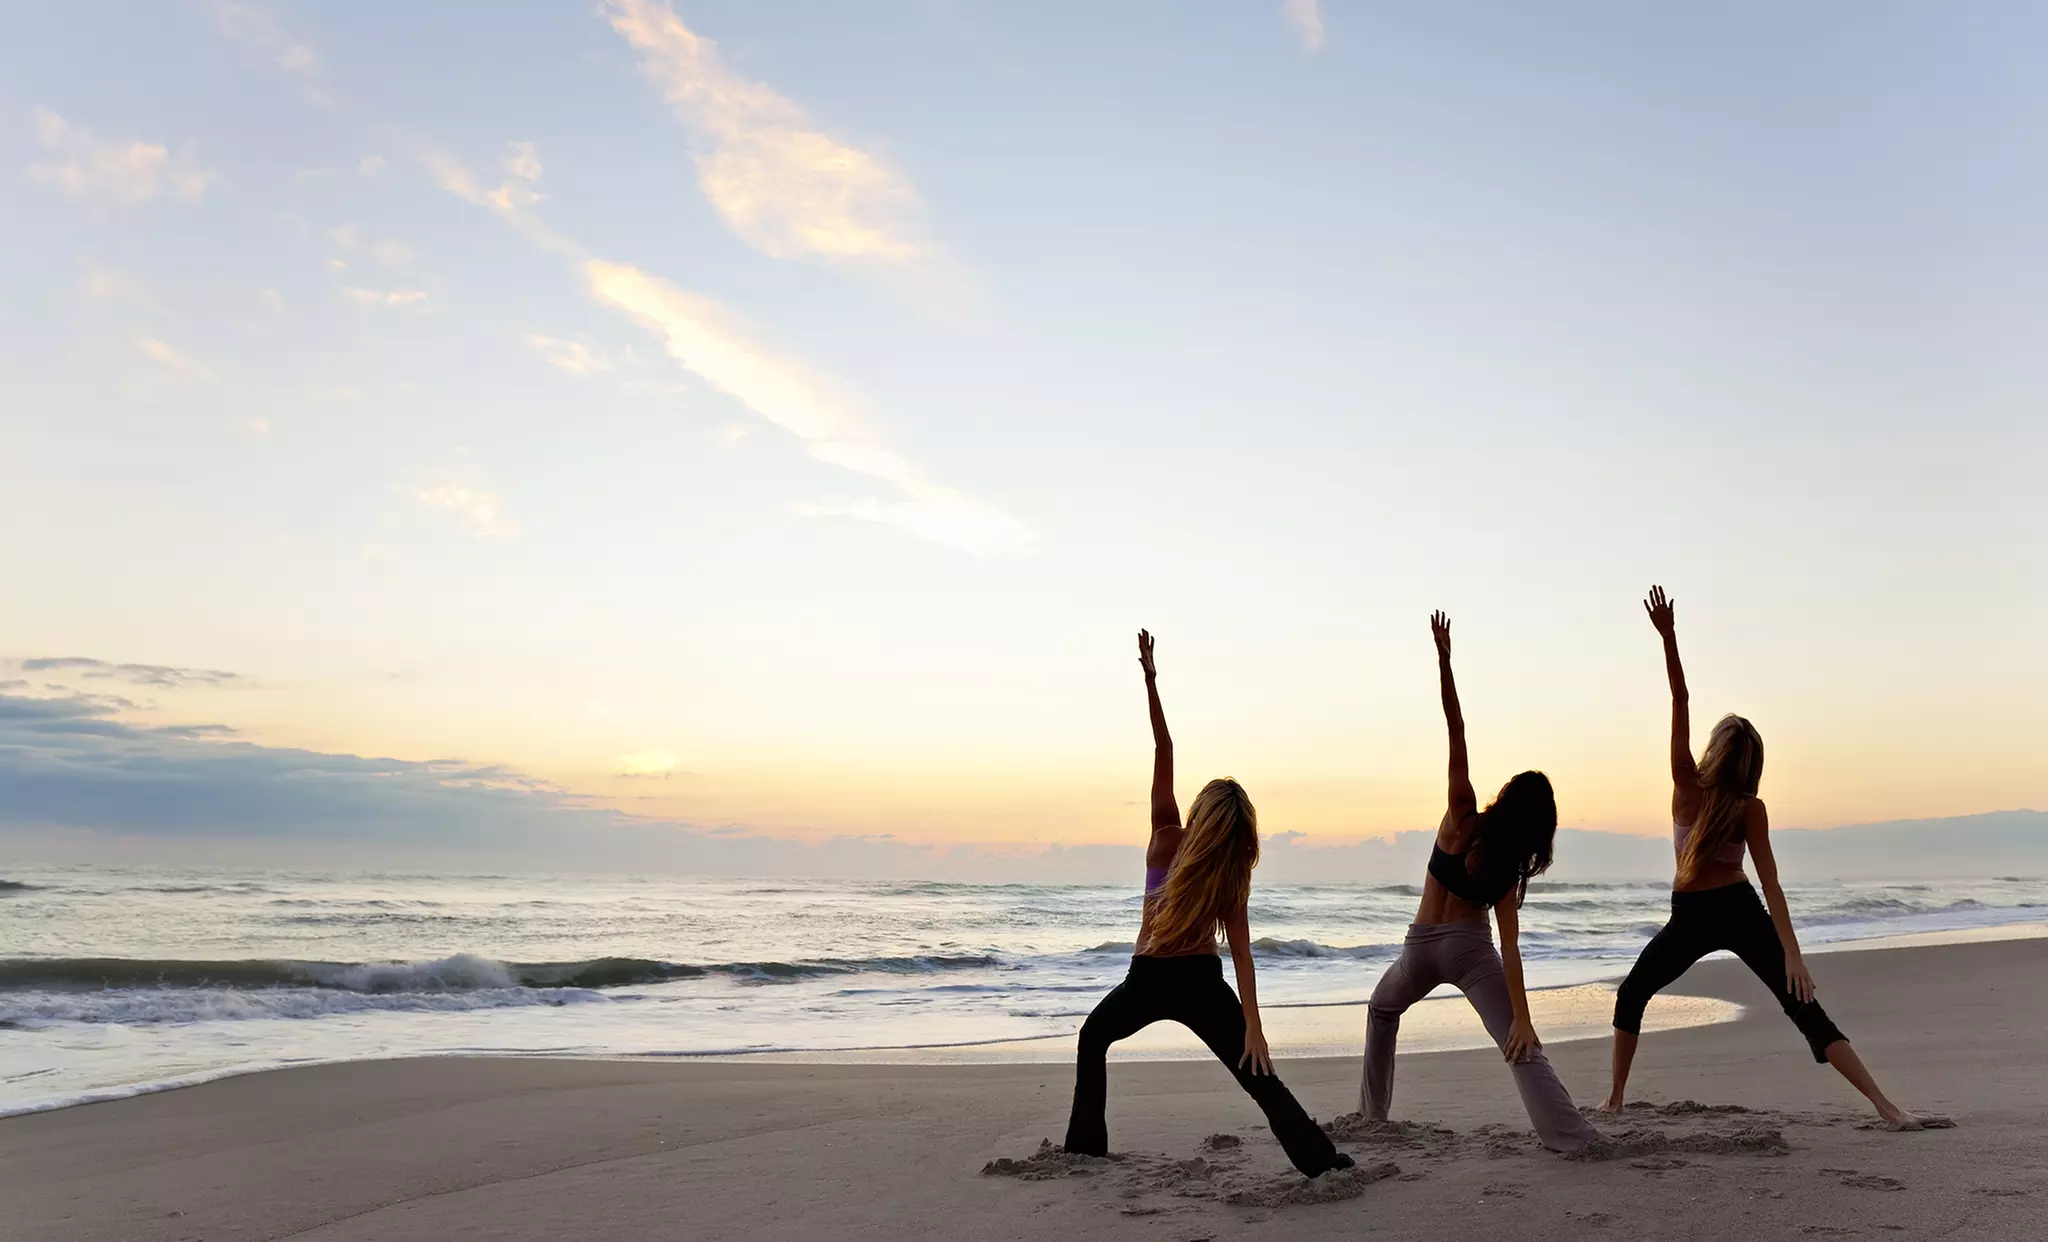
[1871, 1181]
[1504, 1190]
[1827, 1231]
[1659, 1164]
[1999, 1192]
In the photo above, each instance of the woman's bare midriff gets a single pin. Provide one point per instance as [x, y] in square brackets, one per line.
[1439, 906]
[1712, 876]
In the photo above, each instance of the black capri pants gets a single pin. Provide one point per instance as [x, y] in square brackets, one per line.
[1731, 917]
[1188, 990]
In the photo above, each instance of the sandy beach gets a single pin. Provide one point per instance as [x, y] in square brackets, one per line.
[533, 1148]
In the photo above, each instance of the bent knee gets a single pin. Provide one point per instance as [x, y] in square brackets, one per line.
[1629, 1005]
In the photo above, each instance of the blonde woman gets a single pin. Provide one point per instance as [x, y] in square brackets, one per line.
[1197, 879]
[1481, 861]
[1715, 816]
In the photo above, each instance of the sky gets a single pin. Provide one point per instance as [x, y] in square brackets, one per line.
[453, 426]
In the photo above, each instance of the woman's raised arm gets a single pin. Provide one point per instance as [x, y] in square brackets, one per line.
[1165, 811]
[1463, 804]
[1685, 776]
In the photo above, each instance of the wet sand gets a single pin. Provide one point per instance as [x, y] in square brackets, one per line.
[1741, 1134]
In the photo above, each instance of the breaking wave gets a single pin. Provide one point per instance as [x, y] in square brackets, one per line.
[462, 972]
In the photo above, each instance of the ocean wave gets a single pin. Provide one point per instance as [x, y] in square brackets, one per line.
[1270, 946]
[1274, 946]
[17, 886]
[463, 972]
[1877, 909]
[29, 1011]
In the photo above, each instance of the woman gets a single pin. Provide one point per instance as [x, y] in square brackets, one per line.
[1715, 814]
[1482, 860]
[1196, 879]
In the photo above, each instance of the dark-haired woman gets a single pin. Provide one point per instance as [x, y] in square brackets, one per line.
[1715, 816]
[1482, 860]
[1198, 880]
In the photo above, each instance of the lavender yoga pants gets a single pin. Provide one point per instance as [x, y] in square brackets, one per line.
[1461, 954]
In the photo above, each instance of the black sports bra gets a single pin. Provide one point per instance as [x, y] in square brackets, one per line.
[1480, 888]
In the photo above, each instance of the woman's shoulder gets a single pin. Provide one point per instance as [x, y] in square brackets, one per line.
[1165, 843]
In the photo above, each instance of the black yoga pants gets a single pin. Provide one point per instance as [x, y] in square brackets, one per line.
[1188, 990]
[1731, 917]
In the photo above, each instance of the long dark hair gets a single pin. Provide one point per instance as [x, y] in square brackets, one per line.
[1517, 832]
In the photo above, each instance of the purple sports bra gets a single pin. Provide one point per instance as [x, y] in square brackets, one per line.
[1155, 879]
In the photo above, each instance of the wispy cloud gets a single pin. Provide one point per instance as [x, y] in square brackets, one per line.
[172, 360]
[522, 160]
[509, 200]
[386, 297]
[259, 30]
[569, 355]
[1306, 18]
[478, 510]
[121, 172]
[104, 284]
[158, 676]
[387, 252]
[709, 341]
[371, 166]
[776, 179]
[705, 339]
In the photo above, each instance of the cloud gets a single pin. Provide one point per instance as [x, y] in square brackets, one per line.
[371, 166]
[386, 297]
[508, 201]
[477, 509]
[569, 355]
[104, 284]
[388, 252]
[522, 160]
[703, 338]
[159, 676]
[259, 30]
[123, 173]
[784, 186]
[172, 360]
[67, 762]
[1306, 18]
[707, 340]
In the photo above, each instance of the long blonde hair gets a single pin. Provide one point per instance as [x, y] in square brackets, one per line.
[1729, 773]
[1211, 877]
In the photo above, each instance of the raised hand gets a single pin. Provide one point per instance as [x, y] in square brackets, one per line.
[1660, 610]
[1440, 629]
[1145, 653]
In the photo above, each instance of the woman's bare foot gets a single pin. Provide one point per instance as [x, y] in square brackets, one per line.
[1892, 1117]
[1611, 1105]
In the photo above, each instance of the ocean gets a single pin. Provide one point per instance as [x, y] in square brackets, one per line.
[120, 980]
